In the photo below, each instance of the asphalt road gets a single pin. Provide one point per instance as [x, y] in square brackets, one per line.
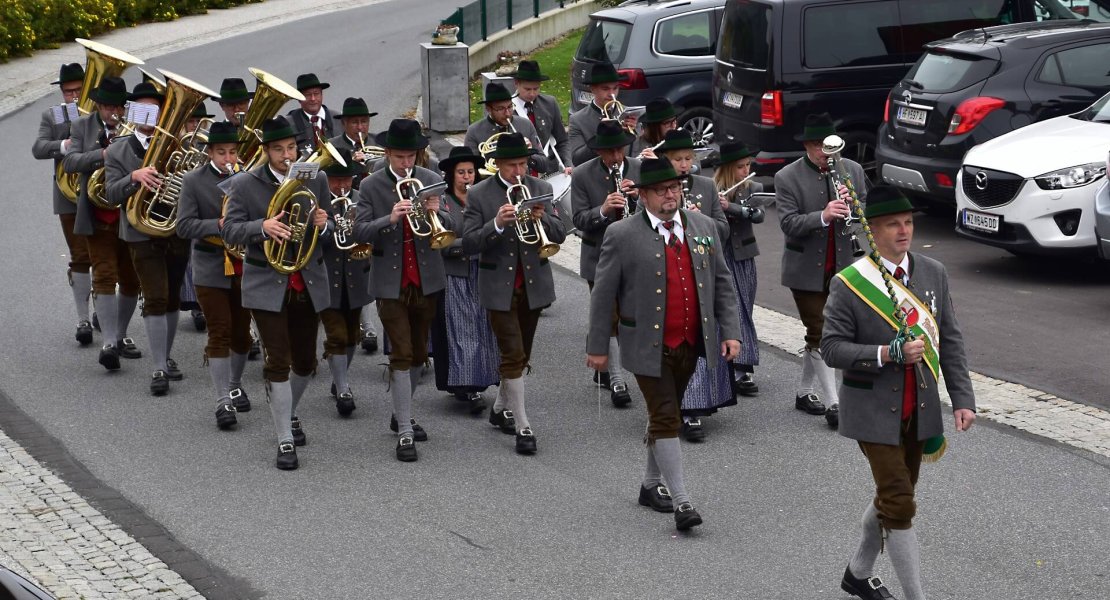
[1004, 516]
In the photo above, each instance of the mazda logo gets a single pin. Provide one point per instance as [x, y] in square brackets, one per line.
[981, 181]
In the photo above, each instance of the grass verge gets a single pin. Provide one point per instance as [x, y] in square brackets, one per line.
[554, 57]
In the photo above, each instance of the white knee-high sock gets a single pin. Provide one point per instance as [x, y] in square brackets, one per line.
[826, 376]
[157, 336]
[809, 373]
[238, 365]
[515, 401]
[280, 397]
[218, 370]
[616, 373]
[905, 556]
[350, 356]
[862, 564]
[652, 476]
[668, 454]
[125, 310]
[172, 318]
[338, 365]
[298, 384]
[80, 284]
[400, 389]
[107, 310]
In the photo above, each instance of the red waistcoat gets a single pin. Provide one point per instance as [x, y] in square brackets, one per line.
[682, 317]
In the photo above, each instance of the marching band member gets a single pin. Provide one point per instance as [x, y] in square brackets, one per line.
[604, 82]
[189, 299]
[659, 117]
[350, 285]
[313, 119]
[890, 394]
[406, 274]
[234, 99]
[542, 111]
[159, 262]
[666, 321]
[465, 349]
[514, 282]
[199, 113]
[812, 220]
[285, 307]
[501, 118]
[54, 142]
[598, 201]
[733, 167]
[218, 274]
[111, 261]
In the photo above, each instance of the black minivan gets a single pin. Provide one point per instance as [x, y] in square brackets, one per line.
[780, 60]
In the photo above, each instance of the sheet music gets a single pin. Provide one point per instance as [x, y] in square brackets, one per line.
[65, 113]
[142, 114]
[303, 170]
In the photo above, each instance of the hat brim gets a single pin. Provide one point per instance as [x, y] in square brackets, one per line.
[627, 139]
[361, 114]
[381, 139]
[488, 100]
[114, 100]
[735, 156]
[620, 77]
[321, 85]
[232, 100]
[451, 161]
[515, 153]
[159, 97]
[644, 185]
[528, 76]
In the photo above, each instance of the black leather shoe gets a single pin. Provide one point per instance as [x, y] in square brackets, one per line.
[686, 517]
[159, 384]
[225, 417]
[287, 457]
[370, 341]
[109, 358]
[525, 441]
[503, 420]
[406, 449]
[745, 386]
[128, 349]
[255, 350]
[84, 333]
[299, 438]
[240, 400]
[418, 432]
[332, 391]
[832, 416]
[601, 378]
[345, 404]
[657, 498]
[620, 396]
[871, 588]
[200, 322]
[95, 322]
[477, 403]
[810, 404]
[172, 372]
[692, 431]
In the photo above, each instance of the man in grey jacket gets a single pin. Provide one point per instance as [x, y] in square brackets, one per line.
[811, 215]
[665, 270]
[543, 111]
[891, 327]
[604, 82]
[53, 142]
[502, 118]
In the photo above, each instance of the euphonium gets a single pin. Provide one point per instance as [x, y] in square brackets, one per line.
[291, 255]
[343, 209]
[422, 222]
[270, 95]
[832, 146]
[528, 230]
[100, 61]
[197, 139]
[154, 213]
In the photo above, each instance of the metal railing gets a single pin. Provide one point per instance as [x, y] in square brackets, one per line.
[480, 19]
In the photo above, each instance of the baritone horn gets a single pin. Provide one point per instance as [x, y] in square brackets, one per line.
[528, 230]
[298, 205]
[101, 61]
[423, 222]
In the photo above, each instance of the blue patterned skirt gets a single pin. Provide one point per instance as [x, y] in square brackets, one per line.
[188, 292]
[708, 391]
[471, 346]
[744, 282]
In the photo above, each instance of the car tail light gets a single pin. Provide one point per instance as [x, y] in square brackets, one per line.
[943, 180]
[636, 79]
[971, 111]
[886, 110]
[770, 108]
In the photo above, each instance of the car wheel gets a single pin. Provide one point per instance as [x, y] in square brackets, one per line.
[860, 147]
[699, 122]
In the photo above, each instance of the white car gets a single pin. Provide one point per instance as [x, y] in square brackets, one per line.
[1030, 191]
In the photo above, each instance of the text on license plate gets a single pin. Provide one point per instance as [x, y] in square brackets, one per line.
[911, 116]
[585, 97]
[732, 100]
[981, 221]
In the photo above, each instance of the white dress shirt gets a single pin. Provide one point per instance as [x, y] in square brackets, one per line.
[890, 266]
[657, 224]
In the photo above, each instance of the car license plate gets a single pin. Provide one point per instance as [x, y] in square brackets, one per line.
[585, 97]
[911, 116]
[981, 221]
[732, 100]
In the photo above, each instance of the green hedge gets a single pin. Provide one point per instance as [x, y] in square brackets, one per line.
[27, 25]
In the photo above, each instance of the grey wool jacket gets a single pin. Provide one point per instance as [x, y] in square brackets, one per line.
[742, 236]
[85, 156]
[481, 130]
[198, 216]
[48, 145]
[124, 156]
[590, 184]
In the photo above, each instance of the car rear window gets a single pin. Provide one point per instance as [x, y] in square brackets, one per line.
[744, 40]
[604, 41]
[1098, 112]
[686, 35]
[943, 72]
[1084, 66]
[851, 35]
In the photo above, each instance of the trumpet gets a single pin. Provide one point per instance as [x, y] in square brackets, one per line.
[368, 152]
[832, 146]
[615, 174]
[528, 229]
[422, 222]
[343, 209]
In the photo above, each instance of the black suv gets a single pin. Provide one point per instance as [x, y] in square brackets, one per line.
[979, 85]
[780, 60]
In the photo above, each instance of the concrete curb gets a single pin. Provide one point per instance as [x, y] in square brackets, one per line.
[530, 33]
[25, 80]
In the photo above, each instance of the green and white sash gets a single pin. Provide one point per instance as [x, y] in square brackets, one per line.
[865, 279]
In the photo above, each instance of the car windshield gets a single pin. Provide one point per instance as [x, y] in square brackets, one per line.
[1099, 112]
[604, 41]
[1097, 10]
[944, 72]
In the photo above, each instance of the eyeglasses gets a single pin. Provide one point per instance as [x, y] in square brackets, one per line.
[659, 190]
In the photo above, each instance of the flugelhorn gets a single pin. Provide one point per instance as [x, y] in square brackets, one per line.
[368, 152]
[528, 230]
[422, 222]
[298, 205]
[612, 111]
[832, 146]
[343, 211]
[488, 147]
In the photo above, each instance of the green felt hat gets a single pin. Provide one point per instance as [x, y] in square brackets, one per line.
[495, 92]
[350, 169]
[604, 73]
[146, 89]
[818, 127]
[460, 154]
[223, 132]
[610, 134]
[111, 91]
[658, 110]
[70, 72]
[201, 112]
[309, 81]
[233, 90]
[528, 70]
[403, 134]
[734, 151]
[654, 171]
[886, 200]
[355, 107]
[276, 129]
[512, 145]
[676, 139]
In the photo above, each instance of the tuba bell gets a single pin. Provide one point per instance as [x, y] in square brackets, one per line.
[422, 222]
[270, 95]
[154, 213]
[101, 61]
[528, 230]
[291, 255]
